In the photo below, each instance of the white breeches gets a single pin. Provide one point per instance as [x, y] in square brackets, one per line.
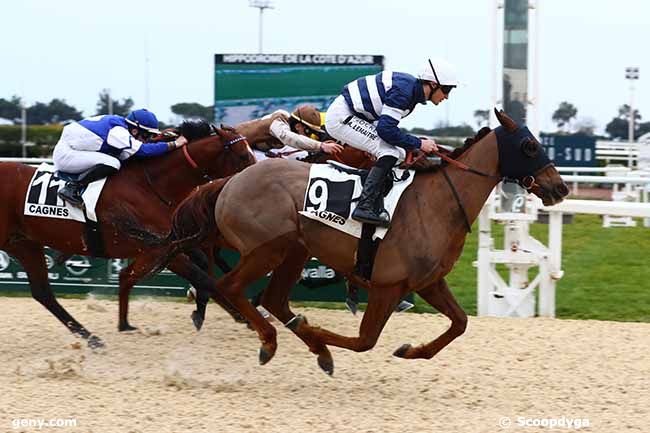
[70, 160]
[357, 132]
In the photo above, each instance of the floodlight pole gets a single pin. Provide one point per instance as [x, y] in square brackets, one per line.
[23, 128]
[631, 74]
[261, 5]
[496, 27]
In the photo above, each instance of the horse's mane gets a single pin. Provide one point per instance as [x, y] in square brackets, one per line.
[469, 142]
[195, 129]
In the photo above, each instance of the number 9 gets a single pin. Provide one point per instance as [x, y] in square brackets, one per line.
[318, 195]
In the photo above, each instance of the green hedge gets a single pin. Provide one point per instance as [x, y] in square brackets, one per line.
[45, 137]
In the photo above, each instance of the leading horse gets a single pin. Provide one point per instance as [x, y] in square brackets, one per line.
[256, 213]
[144, 190]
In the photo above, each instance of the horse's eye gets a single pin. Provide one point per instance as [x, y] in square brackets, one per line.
[529, 147]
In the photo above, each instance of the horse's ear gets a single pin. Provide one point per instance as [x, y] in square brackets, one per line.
[227, 128]
[505, 120]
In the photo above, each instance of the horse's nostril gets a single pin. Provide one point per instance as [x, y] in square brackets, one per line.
[562, 189]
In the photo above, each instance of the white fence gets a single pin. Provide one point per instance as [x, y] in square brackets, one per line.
[622, 151]
[521, 252]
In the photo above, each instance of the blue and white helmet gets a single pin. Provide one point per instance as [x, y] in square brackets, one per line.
[143, 119]
[439, 71]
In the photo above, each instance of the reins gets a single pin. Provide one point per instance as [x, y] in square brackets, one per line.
[410, 161]
[193, 164]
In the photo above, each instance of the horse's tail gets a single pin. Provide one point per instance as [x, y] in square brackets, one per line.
[192, 223]
[193, 220]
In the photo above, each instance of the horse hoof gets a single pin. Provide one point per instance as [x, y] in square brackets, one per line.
[401, 351]
[197, 319]
[265, 355]
[326, 363]
[126, 327]
[95, 342]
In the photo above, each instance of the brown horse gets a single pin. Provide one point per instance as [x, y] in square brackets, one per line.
[424, 242]
[256, 213]
[144, 190]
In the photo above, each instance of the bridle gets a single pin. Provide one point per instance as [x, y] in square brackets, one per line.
[526, 182]
[194, 165]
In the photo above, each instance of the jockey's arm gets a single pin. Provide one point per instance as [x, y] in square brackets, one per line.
[120, 138]
[388, 125]
[282, 131]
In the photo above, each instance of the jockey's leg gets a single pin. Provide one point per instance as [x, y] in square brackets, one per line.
[72, 190]
[345, 127]
[369, 208]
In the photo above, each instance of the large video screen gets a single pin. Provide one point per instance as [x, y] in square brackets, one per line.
[249, 86]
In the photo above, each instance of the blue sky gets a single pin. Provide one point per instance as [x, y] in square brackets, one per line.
[72, 49]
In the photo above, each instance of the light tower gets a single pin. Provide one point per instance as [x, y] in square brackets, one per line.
[261, 5]
[631, 74]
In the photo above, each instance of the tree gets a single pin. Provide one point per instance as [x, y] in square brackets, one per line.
[619, 126]
[643, 128]
[193, 110]
[10, 109]
[482, 117]
[56, 111]
[119, 108]
[624, 113]
[61, 111]
[564, 113]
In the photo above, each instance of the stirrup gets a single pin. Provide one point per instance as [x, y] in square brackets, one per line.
[72, 199]
[369, 217]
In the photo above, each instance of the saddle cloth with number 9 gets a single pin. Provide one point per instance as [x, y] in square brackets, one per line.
[332, 196]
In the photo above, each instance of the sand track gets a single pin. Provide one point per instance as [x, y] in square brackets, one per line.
[169, 378]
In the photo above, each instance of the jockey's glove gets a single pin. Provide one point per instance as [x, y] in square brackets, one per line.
[179, 142]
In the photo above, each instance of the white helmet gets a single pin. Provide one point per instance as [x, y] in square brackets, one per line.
[439, 71]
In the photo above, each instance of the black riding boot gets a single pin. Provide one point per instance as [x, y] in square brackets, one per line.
[71, 192]
[369, 210]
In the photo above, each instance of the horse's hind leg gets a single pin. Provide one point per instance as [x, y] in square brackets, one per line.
[31, 256]
[275, 298]
[250, 268]
[180, 265]
[203, 282]
[439, 297]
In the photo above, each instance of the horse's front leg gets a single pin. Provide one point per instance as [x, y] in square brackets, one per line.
[439, 297]
[381, 304]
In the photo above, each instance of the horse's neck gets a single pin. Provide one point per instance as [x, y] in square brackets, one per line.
[472, 188]
[172, 176]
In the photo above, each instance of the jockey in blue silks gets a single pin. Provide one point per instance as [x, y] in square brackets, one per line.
[95, 147]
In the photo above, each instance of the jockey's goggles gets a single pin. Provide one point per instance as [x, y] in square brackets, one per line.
[446, 89]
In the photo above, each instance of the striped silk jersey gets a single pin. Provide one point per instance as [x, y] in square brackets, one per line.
[386, 98]
[109, 134]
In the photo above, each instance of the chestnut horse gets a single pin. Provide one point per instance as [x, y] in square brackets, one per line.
[256, 213]
[144, 190]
